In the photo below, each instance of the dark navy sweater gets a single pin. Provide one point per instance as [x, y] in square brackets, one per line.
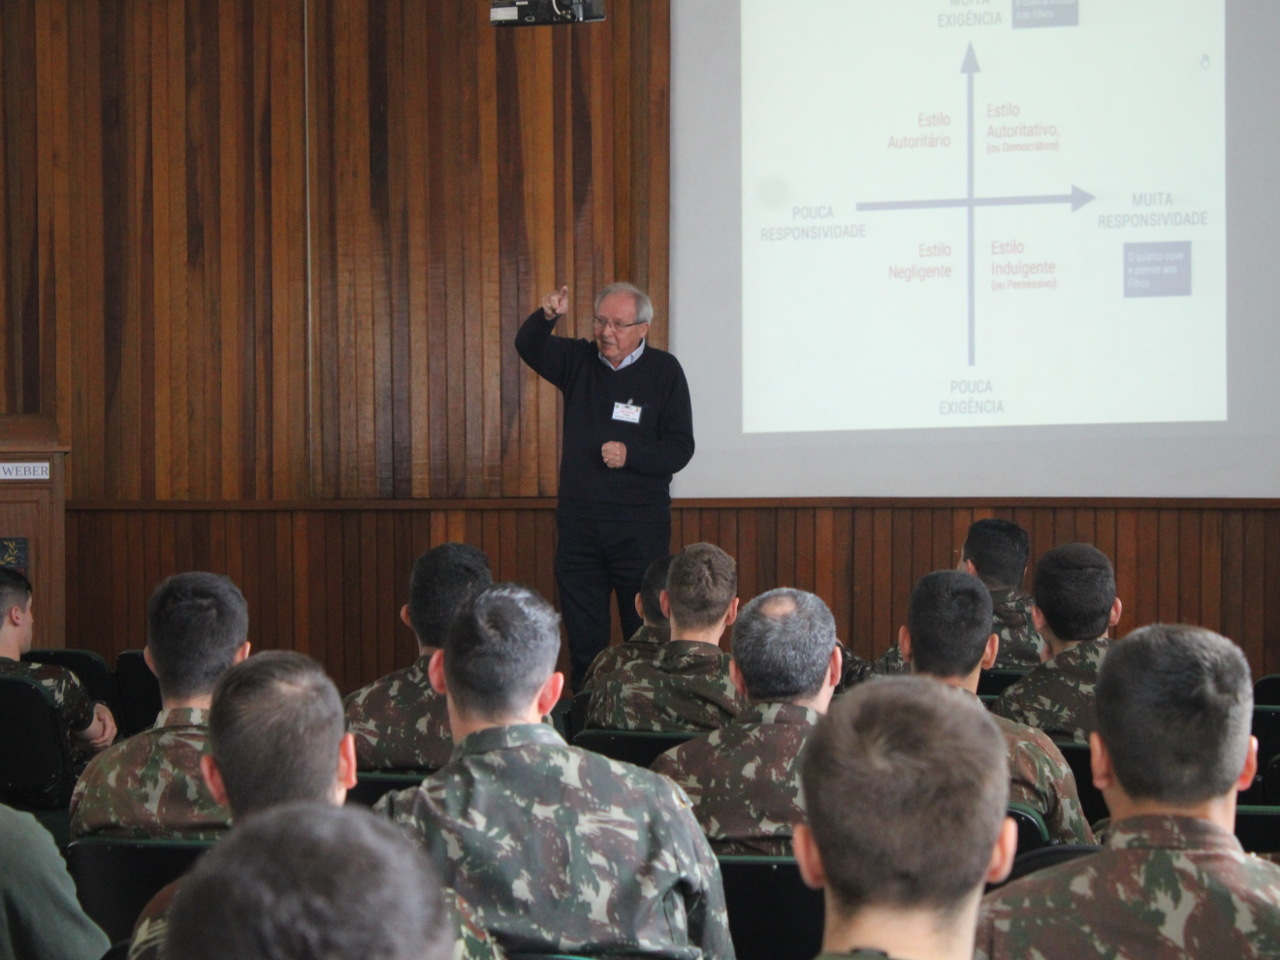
[658, 446]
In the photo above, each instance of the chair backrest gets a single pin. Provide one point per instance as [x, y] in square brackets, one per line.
[640, 747]
[1271, 783]
[116, 878]
[1032, 832]
[1091, 799]
[578, 713]
[372, 784]
[1033, 860]
[138, 692]
[89, 666]
[1258, 828]
[1266, 727]
[1266, 691]
[559, 717]
[773, 915]
[35, 764]
[997, 679]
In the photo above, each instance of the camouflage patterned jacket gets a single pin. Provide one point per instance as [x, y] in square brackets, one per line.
[471, 942]
[560, 850]
[1041, 778]
[645, 644]
[744, 779]
[1058, 695]
[74, 707]
[1020, 643]
[150, 785]
[1164, 888]
[399, 722]
[687, 687]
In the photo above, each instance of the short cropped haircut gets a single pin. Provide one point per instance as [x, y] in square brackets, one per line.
[1175, 706]
[644, 306]
[274, 730]
[500, 648]
[654, 582]
[1075, 588]
[195, 624]
[906, 783]
[441, 578]
[15, 590]
[310, 881]
[949, 620]
[702, 582]
[998, 550]
[782, 643]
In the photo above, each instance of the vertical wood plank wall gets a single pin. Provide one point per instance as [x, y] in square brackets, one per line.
[263, 261]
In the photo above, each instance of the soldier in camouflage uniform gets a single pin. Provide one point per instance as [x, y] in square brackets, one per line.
[744, 779]
[276, 736]
[1076, 605]
[905, 788]
[150, 785]
[310, 880]
[948, 637]
[687, 686]
[399, 721]
[89, 727]
[996, 551]
[558, 850]
[1171, 751]
[646, 643]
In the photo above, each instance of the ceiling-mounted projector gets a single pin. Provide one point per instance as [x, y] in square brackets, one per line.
[540, 13]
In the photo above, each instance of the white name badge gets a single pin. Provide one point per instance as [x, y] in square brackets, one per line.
[626, 411]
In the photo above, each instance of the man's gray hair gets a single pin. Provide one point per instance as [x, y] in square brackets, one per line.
[782, 643]
[644, 306]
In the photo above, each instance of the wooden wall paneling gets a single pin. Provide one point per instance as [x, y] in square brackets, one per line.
[858, 632]
[1168, 546]
[1269, 573]
[1253, 576]
[1189, 560]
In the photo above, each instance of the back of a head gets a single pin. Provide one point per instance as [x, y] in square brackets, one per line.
[702, 582]
[275, 728]
[441, 579]
[195, 624]
[950, 622]
[1175, 705]
[15, 590]
[906, 784]
[651, 587]
[1075, 587]
[782, 644]
[500, 648]
[311, 882]
[998, 550]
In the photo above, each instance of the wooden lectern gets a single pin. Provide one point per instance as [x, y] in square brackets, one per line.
[33, 517]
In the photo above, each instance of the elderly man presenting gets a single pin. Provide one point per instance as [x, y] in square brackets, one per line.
[628, 426]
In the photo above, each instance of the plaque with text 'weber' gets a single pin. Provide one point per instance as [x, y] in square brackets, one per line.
[38, 470]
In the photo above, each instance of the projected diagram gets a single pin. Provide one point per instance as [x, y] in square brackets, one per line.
[1076, 198]
[1035, 238]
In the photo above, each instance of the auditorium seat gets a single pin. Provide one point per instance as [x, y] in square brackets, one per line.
[1050, 856]
[1077, 756]
[773, 915]
[995, 681]
[138, 692]
[116, 878]
[1032, 832]
[35, 767]
[1266, 727]
[640, 747]
[372, 784]
[1258, 828]
[1266, 692]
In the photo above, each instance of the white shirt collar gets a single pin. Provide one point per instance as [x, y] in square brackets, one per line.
[629, 359]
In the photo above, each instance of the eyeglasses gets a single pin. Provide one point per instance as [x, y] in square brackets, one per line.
[614, 326]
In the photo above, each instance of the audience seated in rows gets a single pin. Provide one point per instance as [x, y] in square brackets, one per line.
[996, 552]
[744, 779]
[150, 785]
[277, 737]
[399, 721]
[906, 791]
[687, 686]
[948, 637]
[557, 849]
[646, 642]
[307, 881]
[1170, 753]
[1075, 608]
[89, 726]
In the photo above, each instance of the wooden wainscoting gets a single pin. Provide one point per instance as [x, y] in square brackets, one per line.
[328, 578]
